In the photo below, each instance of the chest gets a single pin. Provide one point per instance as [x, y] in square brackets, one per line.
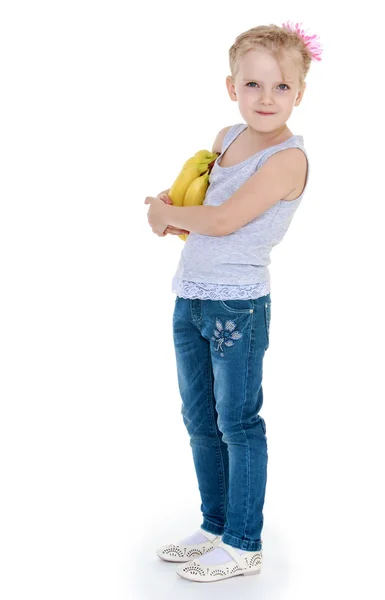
[237, 153]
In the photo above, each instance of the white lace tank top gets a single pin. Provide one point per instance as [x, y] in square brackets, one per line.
[235, 266]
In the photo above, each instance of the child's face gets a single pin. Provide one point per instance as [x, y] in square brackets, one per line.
[259, 86]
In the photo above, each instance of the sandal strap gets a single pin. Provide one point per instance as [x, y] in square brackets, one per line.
[239, 558]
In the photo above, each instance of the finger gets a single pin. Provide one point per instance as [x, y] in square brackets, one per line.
[172, 228]
[175, 231]
[160, 234]
[166, 199]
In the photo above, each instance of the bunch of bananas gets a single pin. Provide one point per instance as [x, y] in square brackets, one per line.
[189, 188]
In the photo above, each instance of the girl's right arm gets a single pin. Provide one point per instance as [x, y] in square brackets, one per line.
[217, 147]
[170, 229]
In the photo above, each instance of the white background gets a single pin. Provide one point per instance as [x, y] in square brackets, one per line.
[100, 105]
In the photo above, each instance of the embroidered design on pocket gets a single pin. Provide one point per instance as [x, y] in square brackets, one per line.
[225, 335]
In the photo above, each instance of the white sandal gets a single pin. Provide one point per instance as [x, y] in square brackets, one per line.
[177, 553]
[248, 563]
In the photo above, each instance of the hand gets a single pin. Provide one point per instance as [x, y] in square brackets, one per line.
[156, 215]
[170, 229]
[174, 230]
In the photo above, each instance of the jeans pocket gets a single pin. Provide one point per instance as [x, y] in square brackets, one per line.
[267, 321]
[238, 305]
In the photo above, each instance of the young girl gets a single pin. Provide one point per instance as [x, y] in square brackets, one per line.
[222, 308]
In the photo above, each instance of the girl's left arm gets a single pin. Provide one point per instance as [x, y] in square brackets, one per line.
[206, 220]
[282, 174]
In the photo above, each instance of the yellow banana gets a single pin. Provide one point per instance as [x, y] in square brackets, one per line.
[189, 188]
[192, 169]
[181, 183]
[204, 154]
[203, 157]
[196, 191]
[195, 194]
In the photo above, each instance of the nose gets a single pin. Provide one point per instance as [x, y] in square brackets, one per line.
[265, 98]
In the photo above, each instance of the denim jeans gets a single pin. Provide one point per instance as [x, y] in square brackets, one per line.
[219, 349]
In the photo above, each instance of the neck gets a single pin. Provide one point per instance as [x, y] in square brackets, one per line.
[268, 136]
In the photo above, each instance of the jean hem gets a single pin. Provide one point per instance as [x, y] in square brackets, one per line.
[241, 544]
[213, 528]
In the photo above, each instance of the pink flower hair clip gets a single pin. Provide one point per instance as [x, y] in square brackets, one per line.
[311, 42]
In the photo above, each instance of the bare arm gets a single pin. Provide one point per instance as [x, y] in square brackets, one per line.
[206, 220]
[170, 229]
[193, 218]
[217, 145]
[276, 179]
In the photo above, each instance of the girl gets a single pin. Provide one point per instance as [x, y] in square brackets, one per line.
[222, 311]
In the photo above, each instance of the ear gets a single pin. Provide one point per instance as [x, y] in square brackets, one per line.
[231, 88]
[300, 94]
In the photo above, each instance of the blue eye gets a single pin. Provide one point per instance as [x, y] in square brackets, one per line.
[278, 86]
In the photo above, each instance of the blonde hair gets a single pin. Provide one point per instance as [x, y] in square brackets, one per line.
[278, 41]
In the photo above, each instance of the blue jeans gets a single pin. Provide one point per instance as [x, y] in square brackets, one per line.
[219, 348]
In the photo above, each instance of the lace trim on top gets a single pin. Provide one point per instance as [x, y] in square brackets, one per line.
[215, 291]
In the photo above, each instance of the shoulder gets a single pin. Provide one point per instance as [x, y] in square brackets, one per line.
[290, 159]
[275, 180]
[296, 159]
[291, 165]
[217, 145]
